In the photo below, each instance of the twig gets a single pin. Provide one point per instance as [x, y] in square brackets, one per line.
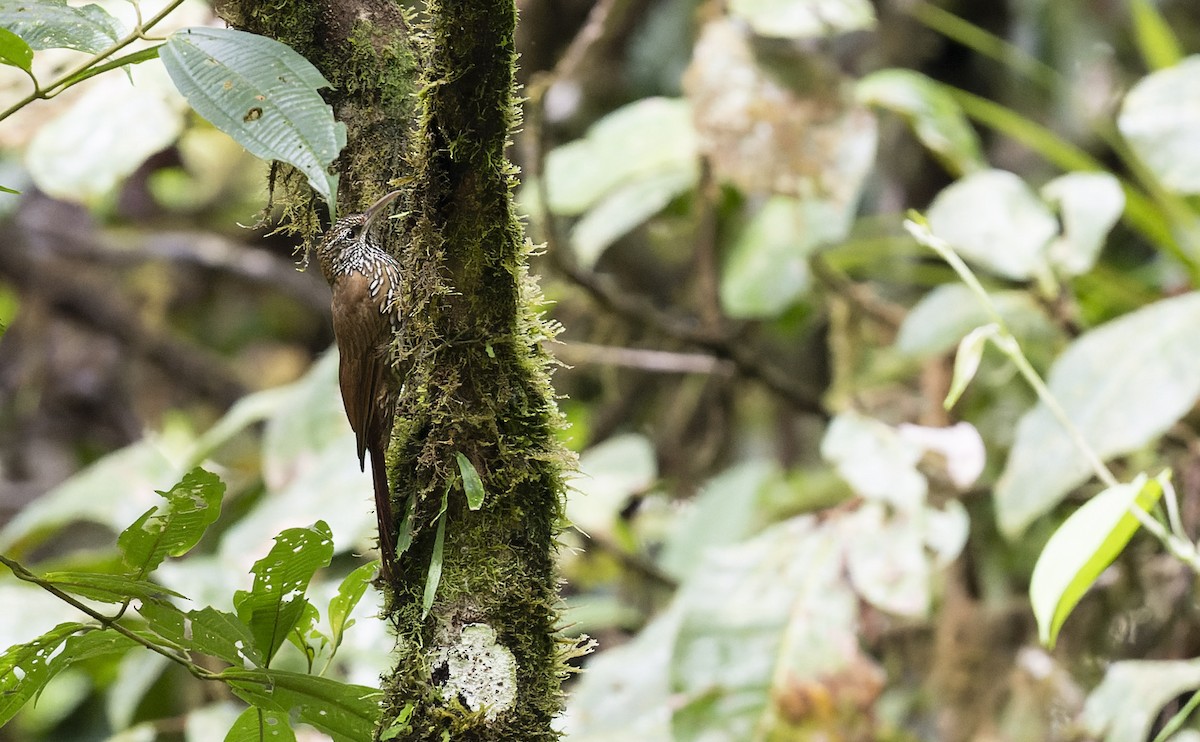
[657, 361]
[96, 306]
[21, 573]
[859, 295]
[63, 80]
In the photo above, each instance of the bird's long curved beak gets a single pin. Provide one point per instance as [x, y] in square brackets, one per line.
[377, 208]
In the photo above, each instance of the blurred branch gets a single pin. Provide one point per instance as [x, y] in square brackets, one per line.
[656, 361]
[707, 273]
[859, 295]
[96, 305]
[220, 254]
[600, 21]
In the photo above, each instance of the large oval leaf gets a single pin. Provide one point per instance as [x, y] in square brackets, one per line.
[261, 93]
[1162, 123]
[994, 220]
[1122, 385]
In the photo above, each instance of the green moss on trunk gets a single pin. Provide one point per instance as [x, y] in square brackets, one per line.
[475, 383]
[484, 664]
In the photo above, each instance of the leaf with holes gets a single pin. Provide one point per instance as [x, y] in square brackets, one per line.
[215, 633]
[25, 669]
[263, 94]
[256, 724]
[343, 711]
[275, 603]
[174, 527]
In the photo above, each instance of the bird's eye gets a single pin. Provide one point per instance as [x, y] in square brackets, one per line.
[354, 231]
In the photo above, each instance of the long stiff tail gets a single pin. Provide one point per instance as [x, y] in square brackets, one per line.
[383, 510]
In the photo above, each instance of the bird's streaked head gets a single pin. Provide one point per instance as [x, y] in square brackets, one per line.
[347, 231]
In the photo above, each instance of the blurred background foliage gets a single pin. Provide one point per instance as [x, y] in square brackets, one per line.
[778, 533]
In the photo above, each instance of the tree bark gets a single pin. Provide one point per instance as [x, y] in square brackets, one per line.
[429, 106]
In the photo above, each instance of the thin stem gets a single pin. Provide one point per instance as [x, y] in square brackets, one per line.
[1010, 347]
[63, 81]
[1179, 546]
[1173, 517]
[21, 573]
[1178, 719]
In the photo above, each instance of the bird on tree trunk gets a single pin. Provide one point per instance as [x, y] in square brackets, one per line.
[366, 282]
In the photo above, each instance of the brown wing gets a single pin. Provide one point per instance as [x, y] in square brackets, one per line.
[359, 329]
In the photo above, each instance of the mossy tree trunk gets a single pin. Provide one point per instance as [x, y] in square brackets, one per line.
[429, 105]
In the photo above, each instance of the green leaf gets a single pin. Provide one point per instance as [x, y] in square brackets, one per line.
[404, 530]
[1144, 215]
[934, 116]
[1163, 128]
[645, 139]
[349, 593]
[14, 51]
[1156, 41]
[108, 588]
[141, 55]
[992, 218]
[400, 724]
[803, 19]
[263, 94]
[346, 712]
[1126, 704]
[275, 602]
[305, 635]
[611, 473]
[472, 484]
[729, 508]
[623, 209]
[25, 669]
[1089, 205]
[260, 725]
[966, 361]
[1122, 384]
[767, 269]
[52, 24]
[6, 189]
[1083, 547]
[946, 314]
[435, 562]
[208, 630]
[172, 529]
